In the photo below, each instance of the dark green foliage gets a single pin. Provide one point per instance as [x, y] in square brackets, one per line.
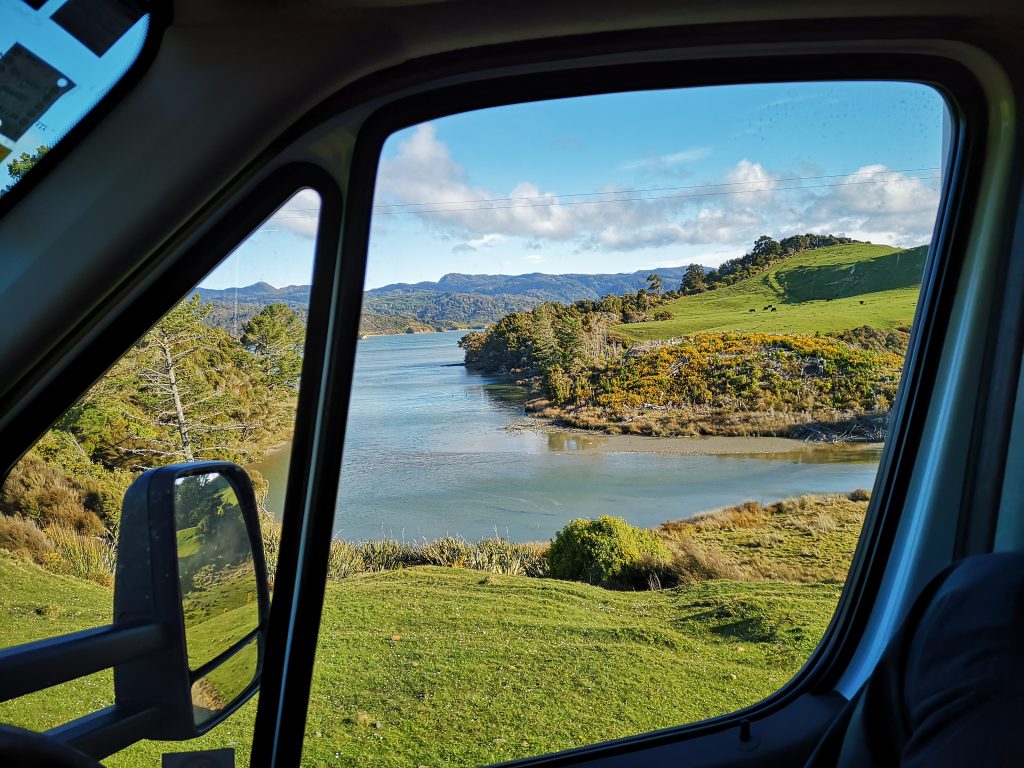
[21, 165]
[608, 552]
[695, 280]
[557, 385]
[277, 336]
[184, 392]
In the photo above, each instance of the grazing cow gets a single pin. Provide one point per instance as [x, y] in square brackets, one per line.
[751, 310]
[763, 309]
[774, 309]
[862, 301]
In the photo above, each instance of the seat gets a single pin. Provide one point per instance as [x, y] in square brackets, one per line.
[949, 688]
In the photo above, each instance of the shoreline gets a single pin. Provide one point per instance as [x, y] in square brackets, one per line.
[577, 438]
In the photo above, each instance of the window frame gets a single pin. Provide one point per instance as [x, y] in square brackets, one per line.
[412, 95]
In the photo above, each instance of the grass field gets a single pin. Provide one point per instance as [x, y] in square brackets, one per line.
[823, 290]
[453, 667]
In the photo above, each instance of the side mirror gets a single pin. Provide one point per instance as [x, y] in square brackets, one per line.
[190, 560]
[191, 605]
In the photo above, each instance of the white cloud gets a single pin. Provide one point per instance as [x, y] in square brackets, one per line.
[300, 214]
[533, 258]
[424, 181]
[663, 162]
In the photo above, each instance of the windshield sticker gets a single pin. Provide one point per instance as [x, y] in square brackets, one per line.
[98, 24]
[28, 88]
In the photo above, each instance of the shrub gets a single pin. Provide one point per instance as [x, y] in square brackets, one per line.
[860, 495]
[447, 551]
[344, 560]
[695, 561]
[43, 493]
[23, 538]
[387, 555]
[608, 552]
[499, 555]
[87, 557]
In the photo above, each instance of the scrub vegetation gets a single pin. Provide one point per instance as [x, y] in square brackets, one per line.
[186, 391]
[801, 338]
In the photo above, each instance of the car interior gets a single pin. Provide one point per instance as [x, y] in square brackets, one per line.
[224, 111]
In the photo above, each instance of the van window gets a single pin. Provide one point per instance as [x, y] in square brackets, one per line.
[217, 378]
[619, 405]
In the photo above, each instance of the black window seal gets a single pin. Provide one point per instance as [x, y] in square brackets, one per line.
[279, 734]
[160, 17]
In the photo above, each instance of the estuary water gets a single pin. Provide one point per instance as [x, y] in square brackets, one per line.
[433, 449]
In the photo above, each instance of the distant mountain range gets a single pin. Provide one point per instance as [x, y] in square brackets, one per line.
[568, 287]
[456, 300]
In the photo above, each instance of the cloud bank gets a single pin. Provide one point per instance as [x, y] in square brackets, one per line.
[423, 181]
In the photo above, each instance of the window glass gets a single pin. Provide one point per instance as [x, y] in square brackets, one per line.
[57, 60]
[624, 381]
[216, 378]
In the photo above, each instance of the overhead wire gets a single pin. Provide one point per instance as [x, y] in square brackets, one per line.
[550, 201]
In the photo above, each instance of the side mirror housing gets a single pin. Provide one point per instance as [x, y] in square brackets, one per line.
[191, 605]
[190, 560]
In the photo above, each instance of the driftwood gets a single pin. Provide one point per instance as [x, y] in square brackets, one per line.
[868, 428]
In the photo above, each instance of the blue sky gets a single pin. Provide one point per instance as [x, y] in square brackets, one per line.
[634, 181]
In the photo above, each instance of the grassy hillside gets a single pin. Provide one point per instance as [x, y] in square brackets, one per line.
[823, 290]
[447, 666]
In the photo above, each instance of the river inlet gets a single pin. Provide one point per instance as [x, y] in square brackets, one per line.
[432, 449]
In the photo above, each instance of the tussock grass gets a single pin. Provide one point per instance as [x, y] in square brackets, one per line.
[86, 557]
[809, 539]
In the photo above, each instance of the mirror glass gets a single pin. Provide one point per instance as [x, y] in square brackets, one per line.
[213, 693]
[215, 567]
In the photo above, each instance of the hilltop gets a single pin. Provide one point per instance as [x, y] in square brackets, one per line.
[826, 290]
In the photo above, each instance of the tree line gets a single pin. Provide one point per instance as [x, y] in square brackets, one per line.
[765, 253]
[186, 391]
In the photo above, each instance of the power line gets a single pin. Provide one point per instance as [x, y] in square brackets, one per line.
[551, 202]
[658, 189]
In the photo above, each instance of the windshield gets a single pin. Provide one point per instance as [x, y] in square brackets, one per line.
[59, 59]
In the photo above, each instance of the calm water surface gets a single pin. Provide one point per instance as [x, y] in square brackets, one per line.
[429, 451]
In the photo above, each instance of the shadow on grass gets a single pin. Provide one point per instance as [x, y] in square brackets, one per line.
[902, 269]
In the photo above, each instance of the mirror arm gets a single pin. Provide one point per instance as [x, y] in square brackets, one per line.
[34, 666]
[107, 731]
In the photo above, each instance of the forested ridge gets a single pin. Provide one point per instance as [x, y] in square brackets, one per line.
[455, 301]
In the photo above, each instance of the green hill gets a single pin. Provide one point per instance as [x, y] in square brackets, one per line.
[823, 290]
